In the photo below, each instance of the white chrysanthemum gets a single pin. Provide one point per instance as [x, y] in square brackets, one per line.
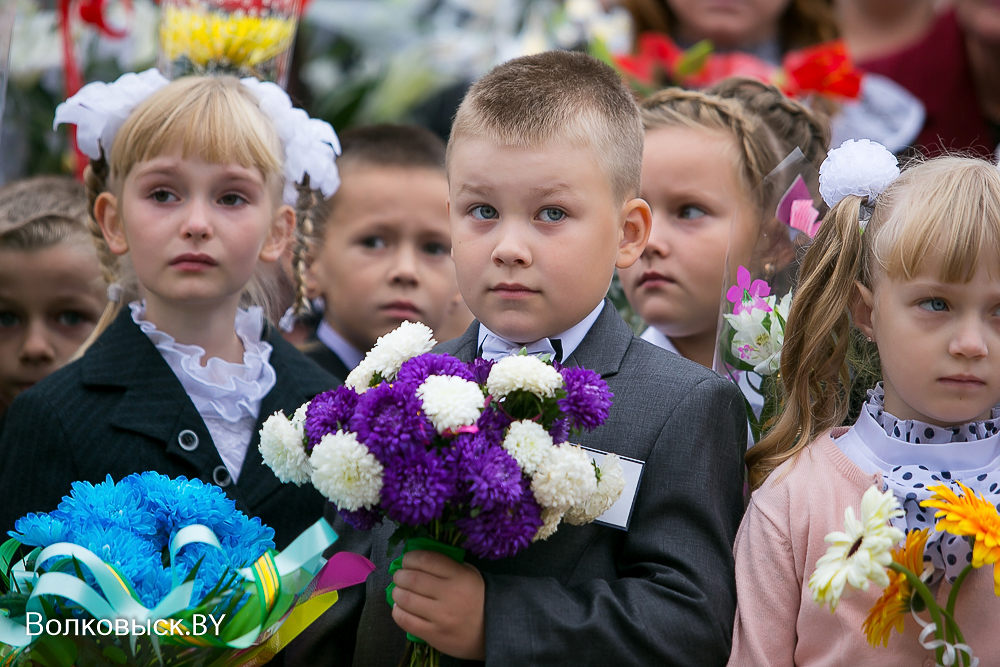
[565, 478]
[523, 372]
[609, 490]
[859, 167]
[861, 553]
[528, 443]
[450, 402]
[299, 418]
[282, 446]
[550, 523]
[360, 378]
[346, 472]
[408, 340]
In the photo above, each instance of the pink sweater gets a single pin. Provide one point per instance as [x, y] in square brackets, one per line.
[778, 544]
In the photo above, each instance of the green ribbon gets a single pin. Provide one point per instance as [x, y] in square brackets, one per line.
[113, 598]
[457, 554]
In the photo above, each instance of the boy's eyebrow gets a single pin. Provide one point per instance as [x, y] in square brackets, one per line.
[481, 190]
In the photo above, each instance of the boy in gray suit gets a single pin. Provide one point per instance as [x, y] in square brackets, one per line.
[543, 165]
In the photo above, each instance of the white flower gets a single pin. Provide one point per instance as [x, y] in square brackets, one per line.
[299, 418]
[408, 340]
[860, 167]
[360, 378]
[551, 517]
[861, 553]
[760, 334]
[525, 373]
[609, 490]
[282, 446]
[346, 472]
[450, 402]
[528, 443]
[565, 478]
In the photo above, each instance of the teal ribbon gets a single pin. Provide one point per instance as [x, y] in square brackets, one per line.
[417, 543]
[305, 552]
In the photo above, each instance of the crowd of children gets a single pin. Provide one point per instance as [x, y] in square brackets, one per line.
[139, 331]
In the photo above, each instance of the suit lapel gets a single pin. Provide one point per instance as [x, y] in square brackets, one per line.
[466, 346]
[603, 348]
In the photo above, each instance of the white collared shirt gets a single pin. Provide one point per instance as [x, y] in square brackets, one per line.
[657, 338]
[569, 339]
[348, 354]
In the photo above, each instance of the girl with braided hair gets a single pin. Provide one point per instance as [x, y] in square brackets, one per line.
[192, 192]
[703, 159]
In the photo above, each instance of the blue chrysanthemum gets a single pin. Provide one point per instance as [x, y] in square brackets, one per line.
[329, 412]
[390, 422]
[41, 530]
[416, 487]
[108, 504]
[414, 371]
[588, 399]
[503, 531]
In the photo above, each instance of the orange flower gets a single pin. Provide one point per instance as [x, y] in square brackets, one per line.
[973, 516]
[890, 609]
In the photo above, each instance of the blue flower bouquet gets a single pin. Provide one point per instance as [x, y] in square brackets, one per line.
[459, 456]
[159, 571]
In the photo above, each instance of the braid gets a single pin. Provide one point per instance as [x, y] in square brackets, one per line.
[303, 238]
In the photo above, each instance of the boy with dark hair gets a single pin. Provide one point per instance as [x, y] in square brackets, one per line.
[543, 165]
[383, 253]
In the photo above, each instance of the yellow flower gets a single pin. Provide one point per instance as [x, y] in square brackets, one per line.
[970, 516]
[229, 39]
[892, 607]
[861, 553]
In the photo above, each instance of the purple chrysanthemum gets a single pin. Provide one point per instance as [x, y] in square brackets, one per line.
[329, 412]
[480, 369]
[416, 488]
[493, 422]
[559, 431]
[588, 399]
[361, 518]
[390, 422]
[418, 369]
[492, 479]
[504, 531]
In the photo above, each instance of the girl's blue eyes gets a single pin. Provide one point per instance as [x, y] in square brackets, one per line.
[230, 199]
[934, 305]
[690, 213]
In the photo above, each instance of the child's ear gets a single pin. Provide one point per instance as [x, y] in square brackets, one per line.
[106, 214]
[862, 304]
[280, 235]
[638, 221]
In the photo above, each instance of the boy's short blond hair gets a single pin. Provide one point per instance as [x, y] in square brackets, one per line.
[42, 211]
[530, 101]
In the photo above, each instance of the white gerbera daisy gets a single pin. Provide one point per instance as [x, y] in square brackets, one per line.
[861, 553]
[565, 478]
[528, 443]
[282, 446]
[550, 523]
[525, 373]
[609, 490]
[450, 402]
[346, 472]
[408, 340]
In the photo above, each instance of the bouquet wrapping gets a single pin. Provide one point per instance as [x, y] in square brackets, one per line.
[155, 571]
[459, 456]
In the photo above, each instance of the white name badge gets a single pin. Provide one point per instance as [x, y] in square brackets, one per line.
[620, 514]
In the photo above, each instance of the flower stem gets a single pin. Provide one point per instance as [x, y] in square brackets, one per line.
[932, 606]
[953, 596]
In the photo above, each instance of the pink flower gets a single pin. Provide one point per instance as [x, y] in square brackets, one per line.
[746, 295]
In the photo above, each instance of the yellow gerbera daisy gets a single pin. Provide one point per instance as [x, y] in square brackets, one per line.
[892, 607]
[973, 516]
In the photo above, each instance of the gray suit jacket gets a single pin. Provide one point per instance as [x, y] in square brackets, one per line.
[662, 593]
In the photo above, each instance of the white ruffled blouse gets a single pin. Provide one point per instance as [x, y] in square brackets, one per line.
[226, 395]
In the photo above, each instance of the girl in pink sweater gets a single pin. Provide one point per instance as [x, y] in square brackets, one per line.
[907, 266]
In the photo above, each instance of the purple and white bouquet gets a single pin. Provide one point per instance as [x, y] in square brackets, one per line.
[475, 456]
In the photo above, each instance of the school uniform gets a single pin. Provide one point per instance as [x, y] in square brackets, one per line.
[333, 353]
[121, 409]
[660, 593]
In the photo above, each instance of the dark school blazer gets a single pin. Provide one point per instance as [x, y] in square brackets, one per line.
[120, 409]
[328, 360]
[662, 593]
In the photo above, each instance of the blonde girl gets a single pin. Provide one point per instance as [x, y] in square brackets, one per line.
[914, 268]
[189, 187]
[703, 158]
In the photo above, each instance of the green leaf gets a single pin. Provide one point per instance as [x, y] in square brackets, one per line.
[401, 534]
[694, 59]
[53, 651]
[115, 655]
